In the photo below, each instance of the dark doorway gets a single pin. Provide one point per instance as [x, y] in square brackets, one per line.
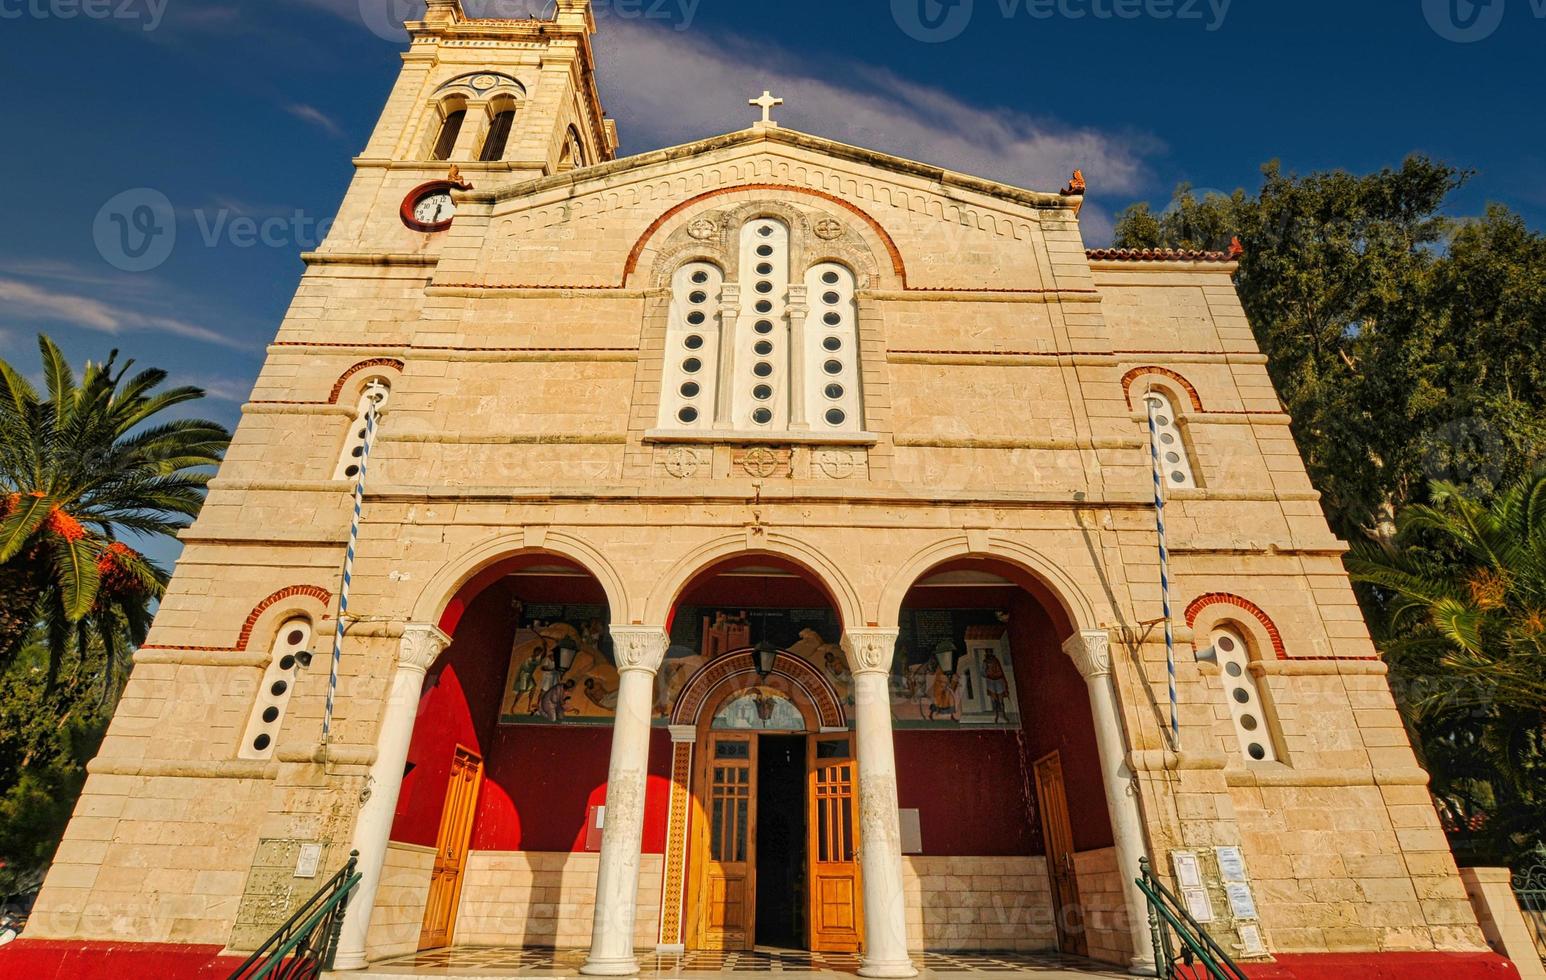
[781, 841]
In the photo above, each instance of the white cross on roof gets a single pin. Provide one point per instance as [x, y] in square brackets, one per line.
[766, 104]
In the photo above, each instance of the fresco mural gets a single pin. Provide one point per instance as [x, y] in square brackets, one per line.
[952, 670]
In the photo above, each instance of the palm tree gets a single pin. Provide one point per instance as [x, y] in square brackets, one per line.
[77, 471]
[1465, 593]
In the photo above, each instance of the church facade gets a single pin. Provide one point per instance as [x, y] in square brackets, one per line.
[758, 548]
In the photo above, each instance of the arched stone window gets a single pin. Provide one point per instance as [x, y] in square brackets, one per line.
[787, 357]
[573, 153]
[288, 655]
[501, 124]
[831, 375]
[453, 118]
[690, 377]
[375, 395]
[1248, 708]
[1175, 460]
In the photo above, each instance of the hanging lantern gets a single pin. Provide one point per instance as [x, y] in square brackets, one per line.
[767, 656]
[564, 654]
[945, 656]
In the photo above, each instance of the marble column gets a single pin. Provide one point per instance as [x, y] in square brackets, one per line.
[418, 650]
[1091, 653]
[880, 836]
[639, 651]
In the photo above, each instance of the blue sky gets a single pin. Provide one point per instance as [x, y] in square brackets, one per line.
[252, 109]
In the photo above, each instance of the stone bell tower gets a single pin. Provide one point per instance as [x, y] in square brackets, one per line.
[500, 100]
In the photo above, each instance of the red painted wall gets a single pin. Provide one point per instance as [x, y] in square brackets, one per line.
[539, 781]
[969, 791]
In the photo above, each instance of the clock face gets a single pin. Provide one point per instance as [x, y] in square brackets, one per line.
[434, 208]
[429, 208]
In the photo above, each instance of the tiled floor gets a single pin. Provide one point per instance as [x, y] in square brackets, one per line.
[470, 962]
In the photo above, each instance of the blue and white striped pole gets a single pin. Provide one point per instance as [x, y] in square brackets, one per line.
[343, 589]
[1164, 554]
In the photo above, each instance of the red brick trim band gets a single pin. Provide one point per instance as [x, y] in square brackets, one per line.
[310, 591]
[638, 249]
[1216, 598]
[387, 362]
[1130, 377]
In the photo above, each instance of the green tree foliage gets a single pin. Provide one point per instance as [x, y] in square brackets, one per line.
[94, 460]
[1465, 600]
[1407, 347]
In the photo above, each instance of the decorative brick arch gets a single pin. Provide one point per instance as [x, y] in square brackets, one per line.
[343, 379]
[1132, 376]
[897, 265]
[696, 693]
[1224, 598]
[308, 591]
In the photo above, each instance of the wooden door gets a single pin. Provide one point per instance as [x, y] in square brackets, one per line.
[445, 884]
[1058, 837]
[726, 852]
[836, 925]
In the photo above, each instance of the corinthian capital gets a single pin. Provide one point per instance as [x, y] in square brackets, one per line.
[1091, 652]
[420, 647]
[870, 650]
[639, 647]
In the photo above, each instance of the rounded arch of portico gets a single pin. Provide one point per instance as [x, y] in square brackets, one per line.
[435, 597]
[708, 689]
[687, 568]
[1060, 586]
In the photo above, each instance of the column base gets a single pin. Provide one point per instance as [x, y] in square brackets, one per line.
[1142, 968]
[343, 962]
[625, 966]
[888, 969]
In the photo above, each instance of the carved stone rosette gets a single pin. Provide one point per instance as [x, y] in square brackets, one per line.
[421, 645]
[639, 647]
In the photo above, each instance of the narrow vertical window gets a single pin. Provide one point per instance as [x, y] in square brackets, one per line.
[288, 655]
[376, 394]
[1175, 462]
[832, 396]
[498, 136]
[1247, 709]
[450, 130]
[690, 378]
[761, 399]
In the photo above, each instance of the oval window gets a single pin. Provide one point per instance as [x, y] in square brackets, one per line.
[833, 367]
[691, 390]
[688, 415]
[763, 369]
[762, 416]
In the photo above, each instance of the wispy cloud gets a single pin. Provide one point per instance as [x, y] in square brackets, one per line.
[28, 300]
[315, 116]
[218, 388]
[710, 79]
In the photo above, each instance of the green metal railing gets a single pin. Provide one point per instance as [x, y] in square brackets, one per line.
[1530, 889]
[305, 945]
[1181, 944]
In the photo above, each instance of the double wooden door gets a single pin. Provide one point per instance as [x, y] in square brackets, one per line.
[725, 854]
[445, 884]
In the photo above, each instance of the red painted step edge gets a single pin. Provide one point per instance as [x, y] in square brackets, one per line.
[1381, 966]
[47, 959]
